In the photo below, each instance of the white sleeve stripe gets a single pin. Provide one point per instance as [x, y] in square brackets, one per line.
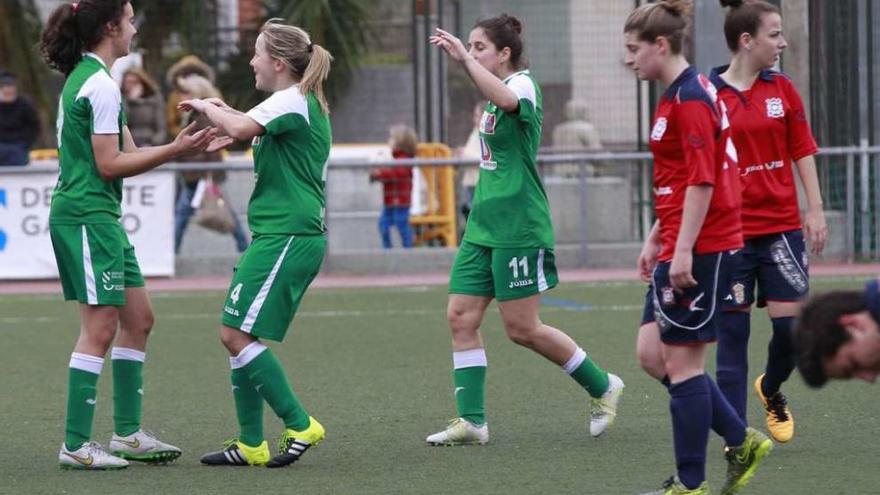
[106, 102]
[524, 88]
[280, 103]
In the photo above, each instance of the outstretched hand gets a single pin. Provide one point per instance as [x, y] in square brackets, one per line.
[194, 104]
[218, 143]
[450, 44]
[190, 141]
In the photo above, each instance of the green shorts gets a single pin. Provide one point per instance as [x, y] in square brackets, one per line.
[269, 282]
[96, 262]
[502, 273]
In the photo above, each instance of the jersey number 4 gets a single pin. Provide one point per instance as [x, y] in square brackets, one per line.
[233, 296]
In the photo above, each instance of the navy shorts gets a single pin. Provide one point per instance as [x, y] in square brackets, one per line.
[775, 264]
[693, 315]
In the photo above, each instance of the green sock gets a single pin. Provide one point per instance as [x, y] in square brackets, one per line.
[248, 408]
[589, 376]
[268, 378]
[82, 392]
[128, 389]
[470, 384]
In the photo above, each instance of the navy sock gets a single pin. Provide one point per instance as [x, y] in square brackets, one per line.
[780, 361]
[725, 420]
[691, 407]
[732, 359]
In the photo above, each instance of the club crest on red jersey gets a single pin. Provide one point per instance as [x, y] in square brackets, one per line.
[659, 129]
[775, 109]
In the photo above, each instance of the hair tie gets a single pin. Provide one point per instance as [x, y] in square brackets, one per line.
[75, 6]
[311, 45]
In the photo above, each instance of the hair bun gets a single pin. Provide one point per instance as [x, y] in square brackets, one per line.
[732, 3]
[681, 8]
[513, 22]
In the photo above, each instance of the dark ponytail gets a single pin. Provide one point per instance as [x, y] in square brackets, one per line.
[505, 31]
[74, 28]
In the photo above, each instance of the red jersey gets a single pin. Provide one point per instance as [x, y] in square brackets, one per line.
[690, 140]
[770, 132]
[396, 182]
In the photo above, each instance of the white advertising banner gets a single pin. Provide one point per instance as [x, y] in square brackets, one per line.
[25, 246]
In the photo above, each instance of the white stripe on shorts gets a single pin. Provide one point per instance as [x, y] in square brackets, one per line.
[91, 288]
[542, 280]
[251, 316]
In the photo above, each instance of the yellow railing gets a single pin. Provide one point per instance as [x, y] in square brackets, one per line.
[440, 219]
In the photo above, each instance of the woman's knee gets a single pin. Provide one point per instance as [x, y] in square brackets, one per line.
[521, 333]
[650, 358]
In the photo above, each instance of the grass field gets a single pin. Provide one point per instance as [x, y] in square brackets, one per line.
[374, 366]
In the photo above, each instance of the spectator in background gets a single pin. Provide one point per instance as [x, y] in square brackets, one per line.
[144, 108]
[186, 66]
[397, 183]
[19, 123]
[574, 135]
[471, 149]
[195, 86]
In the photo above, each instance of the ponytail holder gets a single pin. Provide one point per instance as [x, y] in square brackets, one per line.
[311, 45]
[75, 6]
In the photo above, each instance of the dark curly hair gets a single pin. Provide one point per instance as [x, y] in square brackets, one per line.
[75, 28]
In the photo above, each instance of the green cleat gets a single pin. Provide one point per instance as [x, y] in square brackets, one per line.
[742, 461]
[673, 486]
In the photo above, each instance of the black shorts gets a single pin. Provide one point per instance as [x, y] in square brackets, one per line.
[775, 264]
[691, 316]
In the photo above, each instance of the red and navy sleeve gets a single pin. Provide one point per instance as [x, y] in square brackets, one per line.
[698, 126]
[801, 142]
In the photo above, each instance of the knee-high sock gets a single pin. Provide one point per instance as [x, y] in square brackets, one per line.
[128, 389]
[268, 378]
[585, 372]
[725, 420]
[780, 361]
[469, 379]
[691, 408]
[82, 395]
[248, 405]
[732, 359]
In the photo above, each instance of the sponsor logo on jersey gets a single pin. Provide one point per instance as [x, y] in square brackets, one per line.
[739, 293]
[487, 123]
[775, 109]
[659, 129]
[486, 161]
[662, 191]
[762, 167]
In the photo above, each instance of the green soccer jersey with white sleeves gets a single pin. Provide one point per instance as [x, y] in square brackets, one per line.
[290, 160]
[510, 206]
[90, 104]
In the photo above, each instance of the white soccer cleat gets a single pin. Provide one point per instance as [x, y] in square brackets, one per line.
[90, 456]
[460, 432]
[604, 409]
[143, 446]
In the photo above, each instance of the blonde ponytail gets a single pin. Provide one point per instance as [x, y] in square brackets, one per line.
[315, 74]
[307, 61]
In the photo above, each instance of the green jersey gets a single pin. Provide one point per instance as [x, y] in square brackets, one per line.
[290, 165]
[90, 104]
[510, 206]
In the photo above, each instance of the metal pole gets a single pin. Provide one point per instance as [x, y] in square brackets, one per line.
[441, 82]
[416, 39]
[850, 207]
[864, 83]
[582, 225]
[429, 83]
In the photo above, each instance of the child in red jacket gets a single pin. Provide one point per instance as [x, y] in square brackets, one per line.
[397, 187]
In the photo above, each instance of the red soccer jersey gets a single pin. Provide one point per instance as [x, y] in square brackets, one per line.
[770, 132]
[690, 140]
